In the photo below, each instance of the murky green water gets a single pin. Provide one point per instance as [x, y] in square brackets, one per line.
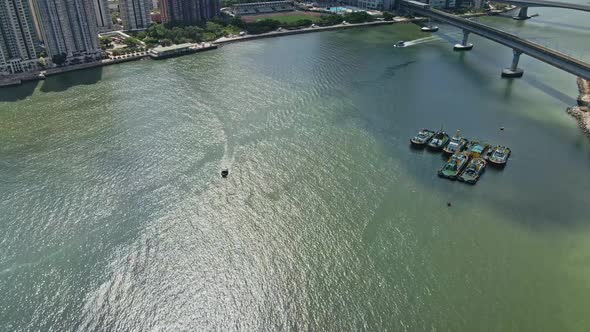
[113, 215]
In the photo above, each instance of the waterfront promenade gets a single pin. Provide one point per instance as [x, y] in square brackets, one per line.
[19, 79]
[33, 76]
[225, 40]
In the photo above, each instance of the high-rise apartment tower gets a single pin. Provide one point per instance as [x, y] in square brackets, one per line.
[18, 37]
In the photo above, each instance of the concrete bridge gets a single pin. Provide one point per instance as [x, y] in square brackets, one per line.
[525, 4]
[518, 45]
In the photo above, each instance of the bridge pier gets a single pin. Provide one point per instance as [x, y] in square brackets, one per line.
[513, 71]
[523, 14]
[464, 46]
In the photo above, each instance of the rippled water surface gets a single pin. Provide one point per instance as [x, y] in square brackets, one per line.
[113, 215]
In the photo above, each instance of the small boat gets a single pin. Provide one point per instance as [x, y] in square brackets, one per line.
[224, 172]
[422, 137]
[476, 149]
[499, 155]
[456, 144]
[401, 43]
[429, 28]
[473, 171]
[438, 141]
[454, 166]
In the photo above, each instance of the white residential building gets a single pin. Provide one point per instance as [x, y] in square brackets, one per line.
[104, 22]
[68, 27]
[18, 38]
[135, 14]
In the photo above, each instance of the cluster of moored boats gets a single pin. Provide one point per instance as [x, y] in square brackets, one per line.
[468, 158]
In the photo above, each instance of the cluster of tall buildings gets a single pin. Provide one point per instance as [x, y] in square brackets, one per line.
[188, 11]
[391, 4]
[69, 29]
[18, 37]
[454, 4]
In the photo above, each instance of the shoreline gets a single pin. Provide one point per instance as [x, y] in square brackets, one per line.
[225, 40]
[19, 79]
[40, 75]
[581, 112]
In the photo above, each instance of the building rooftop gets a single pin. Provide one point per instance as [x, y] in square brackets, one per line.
[263, 3]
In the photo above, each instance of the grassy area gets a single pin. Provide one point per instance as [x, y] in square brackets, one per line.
[287, 19]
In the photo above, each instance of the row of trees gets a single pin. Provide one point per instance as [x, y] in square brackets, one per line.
[267, 25]
[107, 42]
[178, 34]
[127, 50]
[387, 16]
[168, 34]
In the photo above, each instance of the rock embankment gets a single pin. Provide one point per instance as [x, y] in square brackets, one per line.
[582, 111]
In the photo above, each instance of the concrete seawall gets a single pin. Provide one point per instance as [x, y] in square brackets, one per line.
[106, 62]
[35, 76]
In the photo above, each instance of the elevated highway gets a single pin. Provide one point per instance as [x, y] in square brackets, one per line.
[518, 45]
[525, 4]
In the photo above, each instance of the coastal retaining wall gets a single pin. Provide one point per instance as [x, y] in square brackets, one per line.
[60, 70]
[582, 112]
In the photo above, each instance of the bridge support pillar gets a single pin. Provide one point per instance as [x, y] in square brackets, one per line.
[522, 14]
[464, 46]
[429, 27]
[513, 71]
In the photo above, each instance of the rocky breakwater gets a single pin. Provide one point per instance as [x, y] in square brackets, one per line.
[582, 111]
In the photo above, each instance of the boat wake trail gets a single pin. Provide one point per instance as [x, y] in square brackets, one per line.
[421, 41]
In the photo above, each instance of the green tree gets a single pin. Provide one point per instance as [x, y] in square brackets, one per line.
[328, 20]
[106, 42]
[150, 41]
[262, 26]
[59, 59]
[213, 27]
[209, 36]
[300, 23]
[230, 30]
[115, 17]
[131, 42]
[388, 16]
[358, 17]
[237, 21]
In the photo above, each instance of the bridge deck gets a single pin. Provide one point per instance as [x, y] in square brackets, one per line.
[537, 51]
[544, 3]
